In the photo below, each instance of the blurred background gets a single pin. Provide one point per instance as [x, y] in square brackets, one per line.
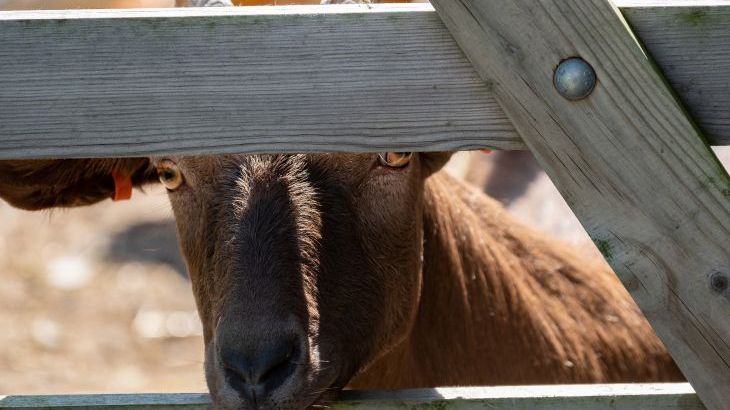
[97, 300]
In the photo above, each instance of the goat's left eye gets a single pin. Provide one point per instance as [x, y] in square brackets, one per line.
[169, 174]
[395, 159]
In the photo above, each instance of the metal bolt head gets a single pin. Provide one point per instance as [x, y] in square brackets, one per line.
[574, 79]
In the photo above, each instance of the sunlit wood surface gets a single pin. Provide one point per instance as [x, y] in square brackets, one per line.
[113, 4]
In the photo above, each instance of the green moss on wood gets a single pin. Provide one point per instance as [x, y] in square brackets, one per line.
[693, 17]
[700, 18]
[33, 23]
[605, 248]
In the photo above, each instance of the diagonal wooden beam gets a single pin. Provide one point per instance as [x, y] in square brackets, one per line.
[627, 159]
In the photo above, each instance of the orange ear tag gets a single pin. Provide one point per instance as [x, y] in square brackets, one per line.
[486, 150]
[122, 186]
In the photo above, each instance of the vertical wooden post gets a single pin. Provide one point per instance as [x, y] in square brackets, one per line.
[627, 159]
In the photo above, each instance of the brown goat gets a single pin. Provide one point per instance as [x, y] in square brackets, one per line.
[315, 272]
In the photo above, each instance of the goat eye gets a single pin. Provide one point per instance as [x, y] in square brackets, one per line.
[395, 159]
[169, 174]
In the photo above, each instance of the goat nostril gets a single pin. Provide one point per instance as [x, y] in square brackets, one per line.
[239, 372]
[264, 371]
[281, 366]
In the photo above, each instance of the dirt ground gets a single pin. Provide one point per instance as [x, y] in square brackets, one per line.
[96, 300]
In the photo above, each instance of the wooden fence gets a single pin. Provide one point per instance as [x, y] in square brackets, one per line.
[664, 396]
[632, 160]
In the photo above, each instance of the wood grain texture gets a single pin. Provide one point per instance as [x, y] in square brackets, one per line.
[320, 78]
[628, 161]
[571, 397]
[691, 45]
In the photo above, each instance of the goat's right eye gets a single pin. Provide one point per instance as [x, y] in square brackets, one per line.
[169, 174]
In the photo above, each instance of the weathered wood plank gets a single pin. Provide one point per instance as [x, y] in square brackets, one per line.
[318, 78]
[669, 396]
[691, 44]
[627, 160]
[132, 82]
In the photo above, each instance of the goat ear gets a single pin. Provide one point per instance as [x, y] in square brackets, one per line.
[434, 161]
[40, 184]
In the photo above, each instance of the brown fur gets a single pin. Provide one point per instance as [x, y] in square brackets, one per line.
[48, 183]
[384, 274]
[502, 304]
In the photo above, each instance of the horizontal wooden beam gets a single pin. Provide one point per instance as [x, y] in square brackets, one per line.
[691, 45]
[669, 396]
[314, 78]
[82, 83]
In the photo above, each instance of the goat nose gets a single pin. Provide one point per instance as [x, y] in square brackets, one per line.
[257, 374]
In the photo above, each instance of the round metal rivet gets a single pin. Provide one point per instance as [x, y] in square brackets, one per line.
[574, 78]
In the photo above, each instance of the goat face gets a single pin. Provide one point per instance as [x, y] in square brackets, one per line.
[305, 268]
